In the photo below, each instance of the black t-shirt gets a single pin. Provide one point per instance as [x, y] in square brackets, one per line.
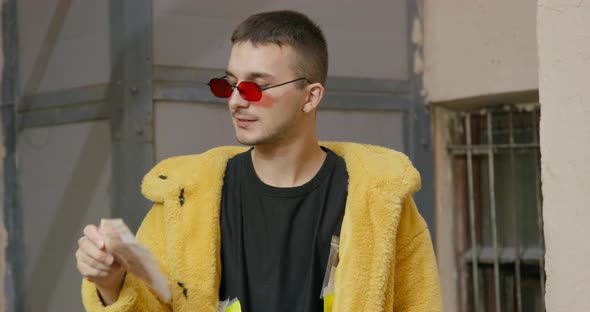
[275, 242]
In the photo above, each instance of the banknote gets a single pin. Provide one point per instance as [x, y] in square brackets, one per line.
[138, 260]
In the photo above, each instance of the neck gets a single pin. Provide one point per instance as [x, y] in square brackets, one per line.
[288, 164]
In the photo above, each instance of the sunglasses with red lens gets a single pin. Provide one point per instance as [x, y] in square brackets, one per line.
[249, 91]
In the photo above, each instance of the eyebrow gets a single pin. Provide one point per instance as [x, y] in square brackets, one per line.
[254, 75]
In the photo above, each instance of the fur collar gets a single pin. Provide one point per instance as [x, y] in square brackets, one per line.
[190, 187]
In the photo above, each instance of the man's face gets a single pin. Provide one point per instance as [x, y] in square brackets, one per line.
[277, 116]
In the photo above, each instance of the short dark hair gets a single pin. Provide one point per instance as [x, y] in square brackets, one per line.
[292, 29]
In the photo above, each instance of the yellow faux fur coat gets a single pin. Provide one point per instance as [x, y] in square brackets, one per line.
[387, 261]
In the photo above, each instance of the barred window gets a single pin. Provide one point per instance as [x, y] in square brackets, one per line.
[497, 184]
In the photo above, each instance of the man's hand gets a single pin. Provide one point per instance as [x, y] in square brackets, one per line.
[99, 266]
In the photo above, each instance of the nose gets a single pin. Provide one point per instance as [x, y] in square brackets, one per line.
[236, 101]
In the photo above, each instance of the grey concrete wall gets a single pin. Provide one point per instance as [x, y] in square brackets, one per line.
[188, 128]
[564, 76]
[363, 40]
[63, 44]
[64, 175]
[65, 171]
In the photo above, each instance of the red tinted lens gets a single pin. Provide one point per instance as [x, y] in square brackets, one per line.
[250, 91]
[220, 87]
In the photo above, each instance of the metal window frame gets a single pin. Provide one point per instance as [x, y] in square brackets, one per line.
[474, 256]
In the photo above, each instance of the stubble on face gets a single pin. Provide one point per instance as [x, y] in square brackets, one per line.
[271, 134]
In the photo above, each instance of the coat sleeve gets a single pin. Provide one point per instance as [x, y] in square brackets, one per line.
[135, 294]
[417, 284]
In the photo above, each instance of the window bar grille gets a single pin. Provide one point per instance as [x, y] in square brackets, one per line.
[539, 208]
[474, 249]
[493, 211]
[482, 149]
[515, 220]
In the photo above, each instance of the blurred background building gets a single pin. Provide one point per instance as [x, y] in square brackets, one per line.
[94, 93]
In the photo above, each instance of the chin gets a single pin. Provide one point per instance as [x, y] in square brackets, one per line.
[251, 141]
[245, 143]
[246, 140]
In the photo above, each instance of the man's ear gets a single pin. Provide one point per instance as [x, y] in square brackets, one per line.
[315, 92]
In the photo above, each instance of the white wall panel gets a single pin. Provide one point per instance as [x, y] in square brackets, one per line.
[478, 48]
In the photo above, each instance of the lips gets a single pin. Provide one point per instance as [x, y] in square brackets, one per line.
[244, 118]
[244, 122]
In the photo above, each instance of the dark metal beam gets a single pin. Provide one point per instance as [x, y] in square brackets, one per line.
[175, 83]
[195, 77]
[507, 255]
[64, 115]
[131, 97]
[185, 93]
[67, 97]
[181, 92]
[53, 108]
[420, 142]
[13, 216]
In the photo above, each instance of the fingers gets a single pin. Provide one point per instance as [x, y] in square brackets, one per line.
[85, 258]
[91, 232]
[89, 271]
[91, 250]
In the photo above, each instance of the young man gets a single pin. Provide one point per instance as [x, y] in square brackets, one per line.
[257, 224]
